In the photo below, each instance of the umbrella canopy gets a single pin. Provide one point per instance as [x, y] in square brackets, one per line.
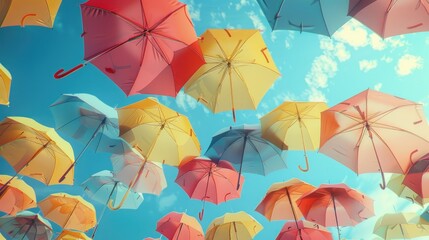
[21, 13]
[294, 126]
[5, 82]
[417, 177]
[362, 133]
[396, 185]
[205, 180]
[303, 230]
[335, 205]
[246, 150]
[180, 226]
[390, 18]
[233, 226]
[35, 150]
[27, 226]
[401, 225]
[68, 211]
[16, 196]
[72, 235]
[152, 49]
[321, 17]
[238, 72]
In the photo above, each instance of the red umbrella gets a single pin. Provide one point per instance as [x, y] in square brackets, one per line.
[392, 17]
[308, 231]
[180, 226]
[335, 205]
[203, 179]
[144, 46]
[417, 177]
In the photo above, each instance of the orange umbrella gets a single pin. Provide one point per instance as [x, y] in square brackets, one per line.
[417, 177]
[180, 226]
[17, 196]
[72, 235]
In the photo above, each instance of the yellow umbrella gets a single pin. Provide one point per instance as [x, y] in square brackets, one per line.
[1, 237]
[294, 126]
[24, 13]
[72, 235]
[5, 81]
[233, 226]
[17, 196]
[35, 150]
[238, 72]
[395, 184]
[68, 211]
[401, 225]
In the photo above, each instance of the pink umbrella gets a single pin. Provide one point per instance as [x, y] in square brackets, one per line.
[180, 226]
[417, 177]
[308, 231]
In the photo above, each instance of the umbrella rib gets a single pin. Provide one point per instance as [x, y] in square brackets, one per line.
[277, 16]
[324, 20]
[259, 154]
[390, 150]
[384, 126]
[222, 79]
[244, 83]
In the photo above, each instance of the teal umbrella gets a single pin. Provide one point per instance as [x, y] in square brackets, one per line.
[26, 226]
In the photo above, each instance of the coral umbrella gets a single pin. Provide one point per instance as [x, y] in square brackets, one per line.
[26, 225]
[16, 196]
[25, 13]
[233, 226]
[72, 235]
[35, 150]
[203, 179]
[396, 185]
[238, 72]
[5, 82]
[247, 151]
[401, 225]
[320, 17]
[294, 126]
[335, 205]
[68, 211]
[416, 177]
[362, 133]
[303, 230]
[180, 226]
[389, 18]
[144, 46]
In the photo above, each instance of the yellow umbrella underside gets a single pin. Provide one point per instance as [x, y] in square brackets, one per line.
[233, 226]
[72, 235]
[5, 82]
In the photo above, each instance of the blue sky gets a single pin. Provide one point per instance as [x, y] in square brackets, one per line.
[313, 68]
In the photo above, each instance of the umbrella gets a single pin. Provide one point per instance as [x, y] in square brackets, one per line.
[246, 150]
[5, 82]
[103, 187]
[396, 185]
[17, 196]
[21, 13]
[35, 150]
[303, 230]
[390, 18]
[294, 126]
[26, 225]
[203, 179]
[152, 50]
[180, 226]
[362, 133]
[401, 225]
[320, 17]
[238, 72]
[72, 235]
[416, 177]
[335, 205]
[87, 119]
[68, 211]
[233, 226]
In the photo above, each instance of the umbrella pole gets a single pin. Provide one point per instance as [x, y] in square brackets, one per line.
[28, 229]
[383, 184]
[336, 217]
[294, 214]
[241, 162]
[180, 230]
[201, 214]
[307, 166]
[235, 230]
[104, 209]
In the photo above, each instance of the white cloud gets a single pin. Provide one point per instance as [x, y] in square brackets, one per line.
[185, 101]
[386, 59]
[366, 65]
[377, 42]
[323, 67]
[378, 86]
[353, 34]
[241, 4]
[408, 63]
[315, 95]
[257, 22]
[194, 10]
[166, 202]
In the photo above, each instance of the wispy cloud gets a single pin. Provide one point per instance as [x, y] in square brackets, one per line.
[407, 64]
[185, 101]
[166, 202]
[367, 65]
[256, 20]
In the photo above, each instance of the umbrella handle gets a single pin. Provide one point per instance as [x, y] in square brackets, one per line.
[307, 166]
[60, 73]
[383, 184]
[121, 203]
[201, 214]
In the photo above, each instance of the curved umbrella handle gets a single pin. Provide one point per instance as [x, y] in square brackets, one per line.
[383, 184]
[307, 166]
[60, 73]
[411, 199]
[201, 214]
[122, 201]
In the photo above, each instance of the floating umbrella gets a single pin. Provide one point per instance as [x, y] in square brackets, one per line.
[26, 225]
[335, 205]
[208, 181]
[35, 150]
[321, 17]
[401, 225]
[87, 119]
[417, 177]
[303, 230]
[72, 235]
[68, 211]
[16, 196]
[294, 126]
[180, 226]
[362, 133]
[5, 82]
[233, 226]
[390, 18]
[238, 72]
[21, 13]
[395, 184]
[246, 150]
[152, 50]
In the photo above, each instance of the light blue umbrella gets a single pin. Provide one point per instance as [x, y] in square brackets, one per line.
[103, 187]
[26, 225]
[246, 150]
[87, 119]
[314, 16]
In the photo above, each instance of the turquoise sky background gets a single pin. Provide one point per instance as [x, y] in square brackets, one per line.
[313, 68]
